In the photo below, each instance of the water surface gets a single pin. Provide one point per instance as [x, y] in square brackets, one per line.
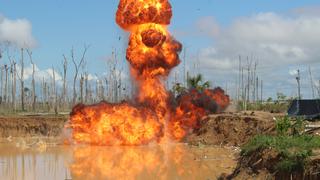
[21, 160]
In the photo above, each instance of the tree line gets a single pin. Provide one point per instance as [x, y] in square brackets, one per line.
[48, 94]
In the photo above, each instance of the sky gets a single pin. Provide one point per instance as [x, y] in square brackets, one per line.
[281, 35]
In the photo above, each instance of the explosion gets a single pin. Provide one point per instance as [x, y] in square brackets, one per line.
[152, 117]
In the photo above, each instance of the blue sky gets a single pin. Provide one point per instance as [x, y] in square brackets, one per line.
[58, 25]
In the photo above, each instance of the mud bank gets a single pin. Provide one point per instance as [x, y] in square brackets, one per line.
[262, 164]
[22, 126]
[233, 129]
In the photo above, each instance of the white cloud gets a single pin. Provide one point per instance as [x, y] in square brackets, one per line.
[276, 39]
[278, 42]
[293, 72]
[92, 77]
[17, 32]
[40, 75]
[210, 59]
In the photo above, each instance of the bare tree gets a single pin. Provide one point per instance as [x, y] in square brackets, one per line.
[86, 82]
[44, 94]
[1, 52]
[261, 89]
[65, 68]
[81, 88]
[33, 82]
[14, 81]
[312, 83]
[100, 90]
[113, 80]
[298, 78]
[54, 88]
[21, 77]
[248, 87]
[5, 96]
[2, 79]
[77, 65]
[319, 88]
[239, 80]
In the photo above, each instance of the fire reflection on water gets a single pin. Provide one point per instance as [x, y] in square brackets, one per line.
[89, 162]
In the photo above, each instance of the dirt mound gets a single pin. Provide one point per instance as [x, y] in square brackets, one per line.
[18, 126]
[232, 129]
[261, 164]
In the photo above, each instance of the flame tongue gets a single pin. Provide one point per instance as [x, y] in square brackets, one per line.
[152, 53]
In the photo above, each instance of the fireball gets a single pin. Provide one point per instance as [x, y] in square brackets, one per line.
[152, 53]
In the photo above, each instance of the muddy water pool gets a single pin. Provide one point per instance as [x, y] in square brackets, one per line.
[44, 160]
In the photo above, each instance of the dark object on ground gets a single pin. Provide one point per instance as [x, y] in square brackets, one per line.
[307, 108]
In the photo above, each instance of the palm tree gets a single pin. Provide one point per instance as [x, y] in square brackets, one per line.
[178, 89]
[195, 83]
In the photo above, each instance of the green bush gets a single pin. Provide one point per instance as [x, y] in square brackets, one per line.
[293, 146]
[294, 150]
[283, 125]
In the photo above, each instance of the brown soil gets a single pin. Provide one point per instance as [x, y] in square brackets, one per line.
[261, 165]
[21, 126]
[232, 129]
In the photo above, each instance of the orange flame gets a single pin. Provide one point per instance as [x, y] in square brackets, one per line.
[152, 53]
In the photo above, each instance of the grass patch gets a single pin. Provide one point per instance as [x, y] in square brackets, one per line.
[294, 150]
[273, 107]
[293, 146]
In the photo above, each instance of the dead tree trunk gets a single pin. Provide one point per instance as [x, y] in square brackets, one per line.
[248, 81]
[86, 82]
[90, 93]
[1, 89]
[254, 82]
[65, 68]
[14, 85]
[239, 81]
[77, 66]
[81, 88]
[261, 89]
[5, 96]
[257, 89]
[33, 82]
[54, 88]
[319, 89]
[101, 90]
[44, 93]
[22, 80]
[311, 83]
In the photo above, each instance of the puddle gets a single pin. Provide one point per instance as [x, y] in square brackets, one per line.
[175, 161]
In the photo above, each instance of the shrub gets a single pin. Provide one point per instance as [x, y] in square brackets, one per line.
[293, 146]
